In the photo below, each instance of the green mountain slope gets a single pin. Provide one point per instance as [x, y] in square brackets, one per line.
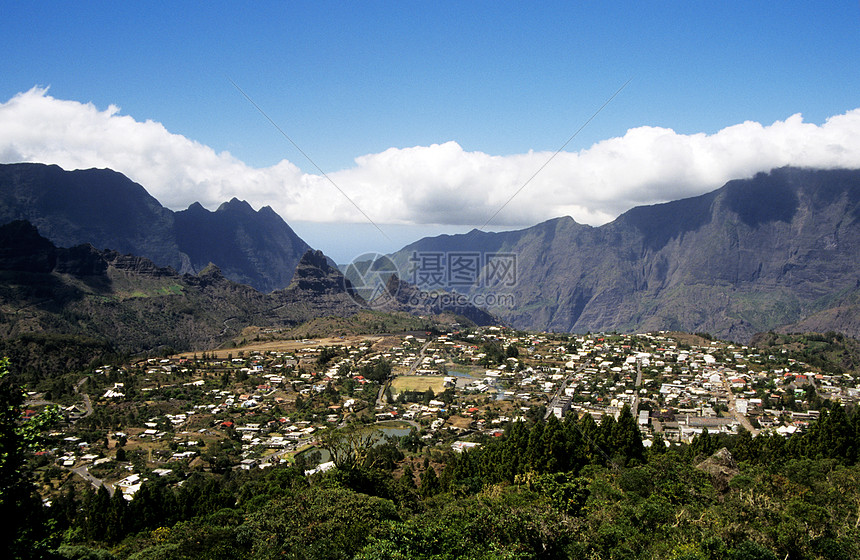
[137, 306]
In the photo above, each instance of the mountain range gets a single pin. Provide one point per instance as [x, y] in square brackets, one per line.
[63, 308]
[776, 251]
[109, 211]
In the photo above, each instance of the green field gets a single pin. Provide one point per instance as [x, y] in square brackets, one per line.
[417, 383]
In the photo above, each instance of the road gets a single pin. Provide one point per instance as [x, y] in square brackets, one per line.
[380, 397]
[226, 326]
[83, 472]
[414, 367]
[734, 409]
[88, 405]
[636, 389]
[557, 395]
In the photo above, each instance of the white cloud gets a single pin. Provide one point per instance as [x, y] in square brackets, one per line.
[426, 184]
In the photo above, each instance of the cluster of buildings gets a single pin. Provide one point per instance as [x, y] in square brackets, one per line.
[272, 403]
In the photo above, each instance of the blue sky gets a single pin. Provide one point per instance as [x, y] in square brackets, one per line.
[473, 79]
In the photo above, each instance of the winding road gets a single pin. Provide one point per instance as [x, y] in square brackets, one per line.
[88, 405]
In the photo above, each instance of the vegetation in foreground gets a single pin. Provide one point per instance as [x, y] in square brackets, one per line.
[546, 489]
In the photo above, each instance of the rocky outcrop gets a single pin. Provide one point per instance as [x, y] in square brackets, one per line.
[721, 467]
[315, 274]
[137, 265]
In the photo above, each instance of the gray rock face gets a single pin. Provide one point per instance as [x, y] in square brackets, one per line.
[314, 274]
[754, 255]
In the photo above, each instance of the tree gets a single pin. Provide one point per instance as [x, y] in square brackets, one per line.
[411, 441]
[153, 506]
[702, 445]
[832, 436]
[327, 355]
[349, 447]
[494, 353]
[555, 449]
[115, 521]
[429, 483]
[658, 445]
[319, 523]
[406, 480]
[745, 446]
[23, 533]
[534, 454]
[377, 371]
[95, 510]
[627, 439]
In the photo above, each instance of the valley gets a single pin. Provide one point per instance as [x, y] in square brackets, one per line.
[190, 415]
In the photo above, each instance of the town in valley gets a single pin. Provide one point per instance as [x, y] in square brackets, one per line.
[272, 402]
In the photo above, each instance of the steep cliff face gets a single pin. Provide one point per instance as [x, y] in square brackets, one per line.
[765, 252]
[96, 206]
[107, 210]
[755, 255]
[254, 248]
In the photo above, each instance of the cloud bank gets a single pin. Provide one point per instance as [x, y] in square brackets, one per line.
[437, 184]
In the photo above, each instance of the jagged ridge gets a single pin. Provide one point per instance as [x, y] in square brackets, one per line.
[107, 210]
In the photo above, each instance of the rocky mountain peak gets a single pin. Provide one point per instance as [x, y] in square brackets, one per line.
[237, 206]
[315, 274]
